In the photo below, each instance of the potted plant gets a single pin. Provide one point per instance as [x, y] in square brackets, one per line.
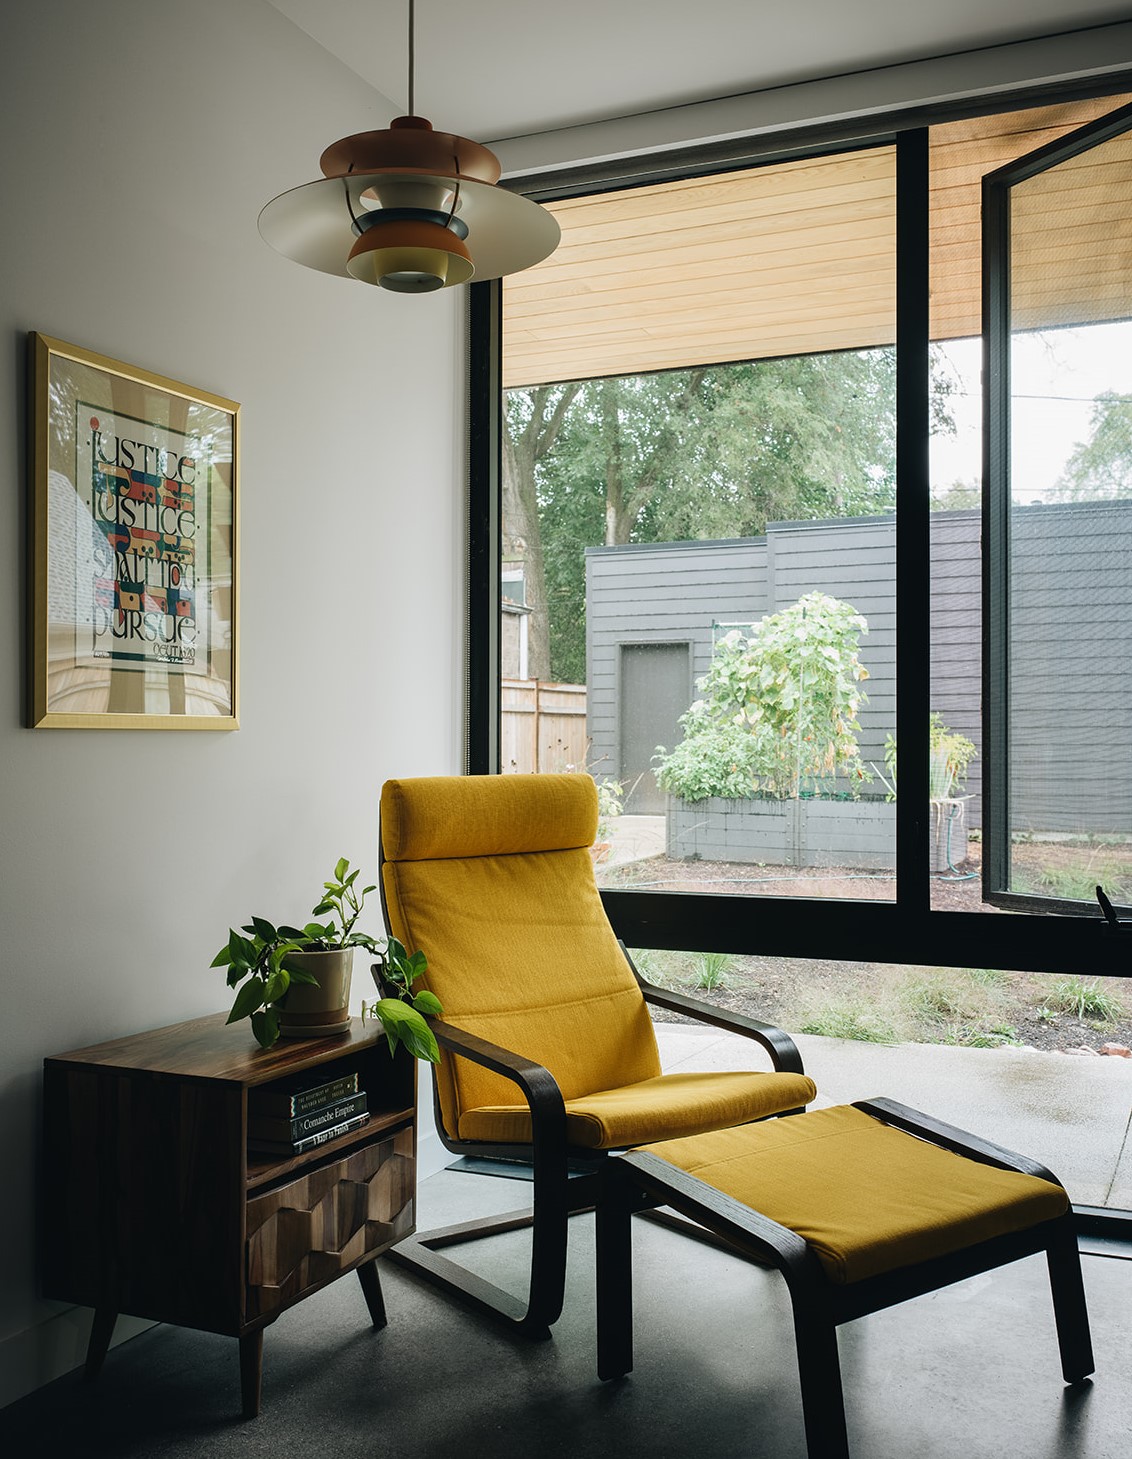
[295, 981]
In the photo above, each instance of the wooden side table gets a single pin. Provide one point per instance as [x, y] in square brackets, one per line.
[153, 1206]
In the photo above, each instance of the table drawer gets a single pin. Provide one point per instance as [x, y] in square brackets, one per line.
[302, 1234]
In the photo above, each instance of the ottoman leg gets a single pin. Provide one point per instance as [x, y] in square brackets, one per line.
[819, 1372]
[1064, 1258]
[613, 1223]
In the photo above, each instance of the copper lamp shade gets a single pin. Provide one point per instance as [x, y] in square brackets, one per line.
[409, 209]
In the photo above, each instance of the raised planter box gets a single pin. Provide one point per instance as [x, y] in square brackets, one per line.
[859, 833]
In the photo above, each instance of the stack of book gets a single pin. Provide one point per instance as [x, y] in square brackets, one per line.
[291, 1120]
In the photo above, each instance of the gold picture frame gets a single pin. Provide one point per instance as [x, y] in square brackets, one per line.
[134, 547]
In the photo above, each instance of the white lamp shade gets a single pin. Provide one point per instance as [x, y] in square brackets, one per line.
[312, 224]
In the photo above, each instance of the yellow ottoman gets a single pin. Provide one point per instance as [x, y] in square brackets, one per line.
[859, 1207]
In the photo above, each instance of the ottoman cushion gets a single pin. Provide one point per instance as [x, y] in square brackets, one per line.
[866, 1197]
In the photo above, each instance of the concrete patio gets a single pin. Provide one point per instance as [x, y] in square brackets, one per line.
[1071, 1113]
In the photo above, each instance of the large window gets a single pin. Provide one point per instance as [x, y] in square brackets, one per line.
[730, 555]
[730, 433]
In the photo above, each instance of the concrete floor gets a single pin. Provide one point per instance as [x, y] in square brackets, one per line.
[968, 1373]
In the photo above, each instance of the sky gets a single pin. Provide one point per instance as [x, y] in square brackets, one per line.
[1055, 376]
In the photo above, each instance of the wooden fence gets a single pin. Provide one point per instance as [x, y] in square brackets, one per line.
[543, 726]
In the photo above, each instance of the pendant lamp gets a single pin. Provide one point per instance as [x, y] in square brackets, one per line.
[409, 209]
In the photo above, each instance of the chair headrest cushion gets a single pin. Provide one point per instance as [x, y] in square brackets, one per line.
[443, 816]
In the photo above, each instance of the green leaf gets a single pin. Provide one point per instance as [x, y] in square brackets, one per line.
[404, 1025]
[341, 869]
[263, 929]
[292, 934]
[248, 999]
[265, 1026]
[279, 954]
[366, 891]
[429, 1003]
[297, 974]
[276, 986]
[240, 949]
[222, 959]
[363, 939]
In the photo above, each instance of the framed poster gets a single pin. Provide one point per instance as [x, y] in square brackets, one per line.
[133, 580]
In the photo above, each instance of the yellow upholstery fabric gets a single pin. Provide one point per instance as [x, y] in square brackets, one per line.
[492, 877]
[867, 1198]
[488, 815]
[684, 1104]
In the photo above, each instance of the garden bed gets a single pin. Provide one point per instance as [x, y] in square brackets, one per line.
[859, 834]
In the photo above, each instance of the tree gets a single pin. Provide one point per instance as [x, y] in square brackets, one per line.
[712, 452]
[534, 420]
[1100, 469]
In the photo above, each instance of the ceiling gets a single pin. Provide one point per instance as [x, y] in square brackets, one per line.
[800, 258]
[506, 68]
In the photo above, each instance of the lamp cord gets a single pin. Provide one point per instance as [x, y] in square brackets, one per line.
[412, 58]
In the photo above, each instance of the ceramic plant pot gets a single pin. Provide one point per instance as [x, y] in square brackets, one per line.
[311, 1011]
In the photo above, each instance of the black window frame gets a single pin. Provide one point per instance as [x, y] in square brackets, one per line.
[907, 930]
[996, 290]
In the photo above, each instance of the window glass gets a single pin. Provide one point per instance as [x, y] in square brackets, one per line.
[1069, 694]
[1070, 381]
[1012, 1056]
[699, 549]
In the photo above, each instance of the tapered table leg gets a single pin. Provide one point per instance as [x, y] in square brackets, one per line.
[101, 1331]
[251, 1371]
[371, 1291]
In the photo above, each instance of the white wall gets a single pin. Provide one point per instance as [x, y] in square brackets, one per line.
[139, 141]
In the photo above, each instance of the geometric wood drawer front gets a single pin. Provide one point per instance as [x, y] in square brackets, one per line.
[302, 1234]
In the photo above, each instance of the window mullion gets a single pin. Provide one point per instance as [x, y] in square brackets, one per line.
[913, 556]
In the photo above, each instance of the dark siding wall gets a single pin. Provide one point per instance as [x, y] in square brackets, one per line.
[1071, 585]
[856, 562]
[956, 636]
[1071, 692]
[669, 593]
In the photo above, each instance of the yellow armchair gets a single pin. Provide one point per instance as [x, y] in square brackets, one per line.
[548, 1051]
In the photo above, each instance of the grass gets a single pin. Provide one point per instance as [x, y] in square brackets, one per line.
[978, 1008]
[850, 1018]
[1003, 1035]
[968, 1007]
[710, 968]
[1085, 1000]
[1076, 881]
[656, 965]
[945, 999]
[674, 970]
[989, 977]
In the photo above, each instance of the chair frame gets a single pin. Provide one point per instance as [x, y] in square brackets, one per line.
[638, 1180]
[558, 1194]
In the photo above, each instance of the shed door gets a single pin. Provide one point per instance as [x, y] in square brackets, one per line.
[656, 689]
